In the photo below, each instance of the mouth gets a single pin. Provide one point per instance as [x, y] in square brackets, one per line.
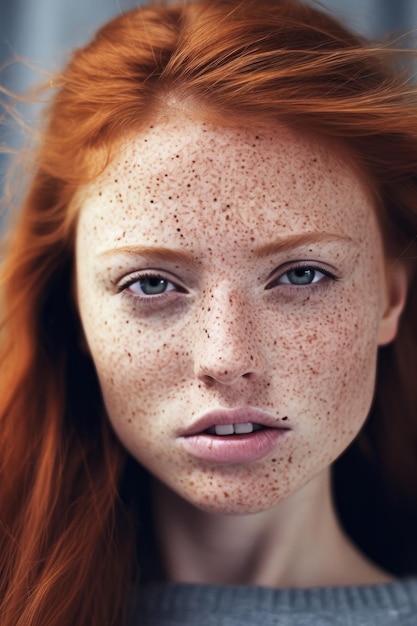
[225, 430]
[237, 421]
[234, 436]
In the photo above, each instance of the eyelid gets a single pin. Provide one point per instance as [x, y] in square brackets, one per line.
[313, 265]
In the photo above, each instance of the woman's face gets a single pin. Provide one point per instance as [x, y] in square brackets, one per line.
[232, 281]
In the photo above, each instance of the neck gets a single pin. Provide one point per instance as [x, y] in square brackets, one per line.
[298, 543]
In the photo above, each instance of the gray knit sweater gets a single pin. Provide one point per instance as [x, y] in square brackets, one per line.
[394, 604]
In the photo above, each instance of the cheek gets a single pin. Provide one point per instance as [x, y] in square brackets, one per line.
[140, 369]
[332, 369]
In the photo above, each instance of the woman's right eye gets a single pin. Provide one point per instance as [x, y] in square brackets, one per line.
[148, 286]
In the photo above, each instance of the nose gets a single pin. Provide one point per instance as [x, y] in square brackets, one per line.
[226, 348]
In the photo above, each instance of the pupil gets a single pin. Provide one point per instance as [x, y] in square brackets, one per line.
[301, 276]
[153, 285]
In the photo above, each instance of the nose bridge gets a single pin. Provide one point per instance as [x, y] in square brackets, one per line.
[227, 348]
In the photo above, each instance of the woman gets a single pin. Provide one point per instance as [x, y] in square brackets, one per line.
[209, 294]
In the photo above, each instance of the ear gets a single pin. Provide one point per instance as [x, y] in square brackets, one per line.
[396, 293]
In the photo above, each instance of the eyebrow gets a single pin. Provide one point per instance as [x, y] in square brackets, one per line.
[151, 252]
[297, 241]
[158, 253]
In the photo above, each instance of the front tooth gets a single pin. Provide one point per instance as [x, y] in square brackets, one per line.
[224, 429]
[243, 429]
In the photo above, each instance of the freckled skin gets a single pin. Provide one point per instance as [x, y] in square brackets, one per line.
[227, 338]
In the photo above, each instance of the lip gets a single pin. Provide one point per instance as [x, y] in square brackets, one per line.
[233, 449]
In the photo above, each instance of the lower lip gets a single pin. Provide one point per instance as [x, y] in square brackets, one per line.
[230, 449]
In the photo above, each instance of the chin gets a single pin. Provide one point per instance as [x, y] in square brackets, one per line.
[226, 502]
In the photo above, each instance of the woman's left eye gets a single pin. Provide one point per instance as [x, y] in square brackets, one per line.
[301, 276]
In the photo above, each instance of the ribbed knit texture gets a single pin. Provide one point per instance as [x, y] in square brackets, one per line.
[393, 604]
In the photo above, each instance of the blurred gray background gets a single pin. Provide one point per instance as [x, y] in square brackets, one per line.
[43, 32]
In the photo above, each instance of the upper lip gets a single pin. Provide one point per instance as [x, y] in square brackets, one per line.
[233, 416]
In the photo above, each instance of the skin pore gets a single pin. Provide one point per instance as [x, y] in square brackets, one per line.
[224, 268]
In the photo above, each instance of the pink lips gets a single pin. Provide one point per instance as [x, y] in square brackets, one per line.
[230, 449]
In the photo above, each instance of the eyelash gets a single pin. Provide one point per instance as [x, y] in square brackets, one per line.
[124, 287]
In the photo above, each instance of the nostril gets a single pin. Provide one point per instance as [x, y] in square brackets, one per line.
[209, 381]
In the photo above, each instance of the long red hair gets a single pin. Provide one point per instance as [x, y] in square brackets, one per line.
[69, 521]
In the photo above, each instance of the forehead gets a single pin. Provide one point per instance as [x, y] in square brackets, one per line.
[181, 172]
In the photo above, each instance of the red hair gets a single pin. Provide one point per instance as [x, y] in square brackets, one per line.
[68, 520]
